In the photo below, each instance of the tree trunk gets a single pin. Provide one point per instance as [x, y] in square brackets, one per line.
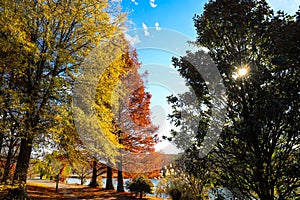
[56, 183]
[8, 161]
[20, 174]
[2, 135]
[120, 186]
[141, 194]
[1, 141]
[109, 183]
[93, 182]
[266, 195]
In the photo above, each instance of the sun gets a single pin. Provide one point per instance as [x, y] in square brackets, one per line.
[242, 71]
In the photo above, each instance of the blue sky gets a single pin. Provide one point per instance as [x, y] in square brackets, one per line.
[178, 14]
[171, 14]
[153, 16]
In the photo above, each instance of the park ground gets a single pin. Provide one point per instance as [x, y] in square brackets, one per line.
[45, 189]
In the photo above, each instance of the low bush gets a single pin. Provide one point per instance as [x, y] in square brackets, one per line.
[140, 185]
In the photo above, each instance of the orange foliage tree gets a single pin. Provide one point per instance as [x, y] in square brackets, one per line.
[135, 129]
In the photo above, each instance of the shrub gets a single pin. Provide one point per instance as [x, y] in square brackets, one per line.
[140, 185]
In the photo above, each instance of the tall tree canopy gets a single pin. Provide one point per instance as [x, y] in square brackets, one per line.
[42, 44]
[258, 153]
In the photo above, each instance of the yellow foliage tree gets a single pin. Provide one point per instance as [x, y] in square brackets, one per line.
[42, 46]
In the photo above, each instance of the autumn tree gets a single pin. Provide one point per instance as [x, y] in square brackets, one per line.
[135, 131]
[258, 153]
[101, 139]
[42, 45]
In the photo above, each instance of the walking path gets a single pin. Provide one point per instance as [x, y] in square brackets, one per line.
[45, 189]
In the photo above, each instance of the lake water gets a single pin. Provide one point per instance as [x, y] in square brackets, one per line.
[115, 182]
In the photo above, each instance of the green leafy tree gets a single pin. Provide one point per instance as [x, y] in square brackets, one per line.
[258, 153]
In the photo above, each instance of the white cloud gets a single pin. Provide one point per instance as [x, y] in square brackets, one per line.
[152, 3]
[146, 32]
[157, 26]
[132, 40]
[134, 1]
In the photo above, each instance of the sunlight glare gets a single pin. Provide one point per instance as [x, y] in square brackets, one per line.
[242, 71]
